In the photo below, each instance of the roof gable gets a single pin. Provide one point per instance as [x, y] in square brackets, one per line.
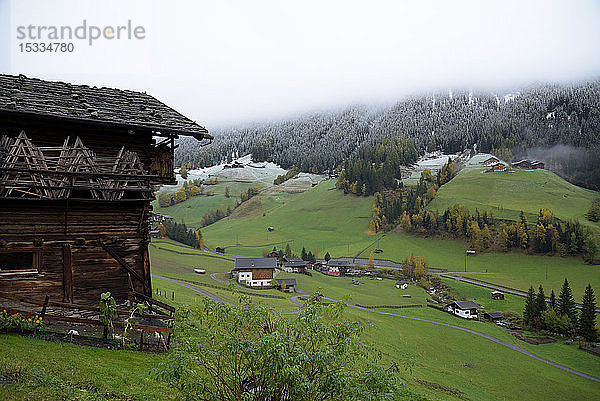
[82, 103]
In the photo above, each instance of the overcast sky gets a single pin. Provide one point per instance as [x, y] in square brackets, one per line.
[227, 62]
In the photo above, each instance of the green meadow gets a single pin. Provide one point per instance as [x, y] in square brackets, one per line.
[509, 193]
[476, 367]
[326, 220]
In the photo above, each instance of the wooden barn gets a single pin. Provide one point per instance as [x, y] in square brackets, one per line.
[78, 166]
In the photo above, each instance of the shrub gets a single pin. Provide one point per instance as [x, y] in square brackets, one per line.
[224, 352]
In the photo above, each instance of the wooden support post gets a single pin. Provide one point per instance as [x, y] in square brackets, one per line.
[45, 306]
[67, 274]
[146, 264]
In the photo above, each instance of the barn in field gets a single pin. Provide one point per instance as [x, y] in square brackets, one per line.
[78, 166]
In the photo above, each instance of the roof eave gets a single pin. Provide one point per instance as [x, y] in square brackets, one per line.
[163, 131]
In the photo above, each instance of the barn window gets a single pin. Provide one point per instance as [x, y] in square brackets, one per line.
[19, 261]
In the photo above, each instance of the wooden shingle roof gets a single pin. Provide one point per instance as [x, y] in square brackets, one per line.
[82, 103]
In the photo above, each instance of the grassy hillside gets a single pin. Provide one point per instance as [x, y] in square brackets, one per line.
[192, 210]
[331, 221]
[506, 194]
[320, 217]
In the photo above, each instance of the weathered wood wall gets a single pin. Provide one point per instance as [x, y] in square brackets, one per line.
[74, 266]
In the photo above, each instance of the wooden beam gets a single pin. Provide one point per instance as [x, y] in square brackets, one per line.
[122, 262]
[93, 322]
[146, 263]
[45, 306]
[153, 301]
[67, 274]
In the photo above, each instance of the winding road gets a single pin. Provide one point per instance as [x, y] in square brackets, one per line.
[295, 301]
[477, 333]
[192, 287]
[493, 287]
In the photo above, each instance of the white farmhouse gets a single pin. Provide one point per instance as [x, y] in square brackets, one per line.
[464, 309]
[255, 272]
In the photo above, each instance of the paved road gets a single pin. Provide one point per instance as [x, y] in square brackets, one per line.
[192, 287]
[494, 339]
[492, 287]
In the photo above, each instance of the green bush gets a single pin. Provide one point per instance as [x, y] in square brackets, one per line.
[250, 352]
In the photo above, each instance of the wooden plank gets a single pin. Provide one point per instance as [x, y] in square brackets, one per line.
[122, 262]
[37, 302]
[45, 306]
[67, 274]
[93, 322]
[153, 301]
[146, 265]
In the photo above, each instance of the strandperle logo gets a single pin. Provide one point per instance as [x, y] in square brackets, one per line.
[85, 31]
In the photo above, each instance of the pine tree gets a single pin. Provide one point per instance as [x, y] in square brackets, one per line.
[566, 303]
[552, 300]
[327, 256]
[540, 308]
[288, 251]
[587, 319]
[303, 254]
[529, 312]
[541, 301]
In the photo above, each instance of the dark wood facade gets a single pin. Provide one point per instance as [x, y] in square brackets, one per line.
[75, 192]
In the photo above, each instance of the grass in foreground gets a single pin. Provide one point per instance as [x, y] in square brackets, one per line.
[58, 371]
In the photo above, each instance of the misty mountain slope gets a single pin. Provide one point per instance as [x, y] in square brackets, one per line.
[514, 123]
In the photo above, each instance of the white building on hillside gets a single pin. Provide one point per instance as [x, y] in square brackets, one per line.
[255, 272]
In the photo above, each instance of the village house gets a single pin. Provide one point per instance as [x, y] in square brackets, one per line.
[290, 284]
[337, 267]
[78, 167]
[528, 164]
[401, 285]
[464, 309]
[491, 161]
[497, 295]
[159, 218]
[498, 167]
[255, 272]
[294, 265]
